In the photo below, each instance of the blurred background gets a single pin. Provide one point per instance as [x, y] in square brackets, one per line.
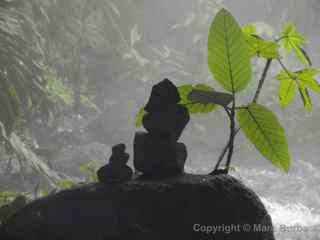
[80, 70]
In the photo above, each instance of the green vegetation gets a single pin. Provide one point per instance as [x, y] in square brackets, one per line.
[8, 197]
[90, 170]
[230, 52]
[20, 69]
[263, 129]
[45, 49]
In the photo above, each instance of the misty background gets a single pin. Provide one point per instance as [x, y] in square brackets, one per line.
[125, 48]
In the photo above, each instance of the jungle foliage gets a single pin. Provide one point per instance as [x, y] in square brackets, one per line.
[45, 50]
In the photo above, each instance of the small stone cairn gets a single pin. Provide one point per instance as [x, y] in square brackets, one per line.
[117, 169]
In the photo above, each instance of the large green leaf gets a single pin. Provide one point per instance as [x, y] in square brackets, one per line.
[301, 80]
[228, 54]
[195, 106]
[292, 40]
[264, 131]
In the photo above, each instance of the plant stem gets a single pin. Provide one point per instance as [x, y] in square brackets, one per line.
[224, 151]
[262, 80]
[280, 38]
[232, 135]
[222, 155]
[285, 68]
[226, 147]
[233, 130]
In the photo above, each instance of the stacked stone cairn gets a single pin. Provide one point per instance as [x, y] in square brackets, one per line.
[157, 152]
[117, 169]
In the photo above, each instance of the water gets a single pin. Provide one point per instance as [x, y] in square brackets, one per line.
[292, 199]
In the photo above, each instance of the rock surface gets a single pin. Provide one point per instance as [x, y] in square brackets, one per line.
[169, 209]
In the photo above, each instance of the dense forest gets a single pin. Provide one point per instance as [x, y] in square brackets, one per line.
[75, 73]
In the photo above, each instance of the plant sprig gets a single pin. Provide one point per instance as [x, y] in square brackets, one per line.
[230, 49]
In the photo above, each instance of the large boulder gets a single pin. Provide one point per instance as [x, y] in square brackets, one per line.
[183, 207]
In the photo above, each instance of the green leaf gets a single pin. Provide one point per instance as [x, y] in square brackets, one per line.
[206, 97]
[195, 107]
[249, 29]
[228, 54]
[264, 131]
[292, 40]
[308, 76]
[139, 117]
[66, 184]
[90, 169]
[301, 80]
[287, 91]
[262, 48]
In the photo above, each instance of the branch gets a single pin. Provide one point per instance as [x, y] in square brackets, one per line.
[232, 135]
[226, 147]
[262, 80]
[281, 38]
[224, 151]
[284, 67]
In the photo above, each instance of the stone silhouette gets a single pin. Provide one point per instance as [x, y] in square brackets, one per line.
[167, 209]
[117, 169]
[157, 152]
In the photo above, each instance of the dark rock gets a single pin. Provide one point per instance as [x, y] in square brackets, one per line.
[116, 170]
[163, 95]
[158, 157]
[111, 174]
[8, 210]
[169, 209]
[219, 171]
[118, 150]
[167, 123]
[157, 153]
[119, 157]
